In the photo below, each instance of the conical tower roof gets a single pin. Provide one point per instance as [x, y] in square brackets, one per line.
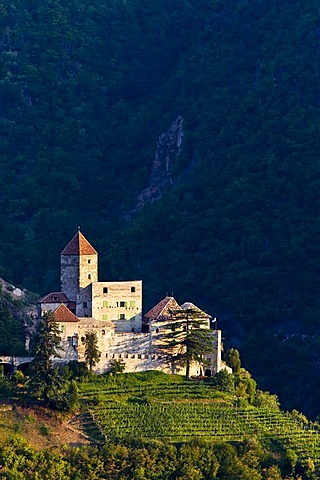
[79, 245]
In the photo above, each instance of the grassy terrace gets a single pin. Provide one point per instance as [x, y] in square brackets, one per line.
[159, 406]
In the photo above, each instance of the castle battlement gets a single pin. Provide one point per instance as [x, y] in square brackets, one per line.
[113, 311]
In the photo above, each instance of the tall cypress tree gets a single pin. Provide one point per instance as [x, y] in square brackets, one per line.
[91, 353]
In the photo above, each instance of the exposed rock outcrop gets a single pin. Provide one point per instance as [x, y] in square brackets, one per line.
[169, 146]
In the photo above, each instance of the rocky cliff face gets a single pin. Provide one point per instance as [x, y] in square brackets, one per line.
[169, 146]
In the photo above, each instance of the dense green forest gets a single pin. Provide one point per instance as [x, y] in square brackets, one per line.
[87, 88]
[140, 460]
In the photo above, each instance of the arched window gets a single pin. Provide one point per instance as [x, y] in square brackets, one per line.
[89, 276]
[105, 290]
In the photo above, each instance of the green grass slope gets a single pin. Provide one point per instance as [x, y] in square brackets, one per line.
[158, 406]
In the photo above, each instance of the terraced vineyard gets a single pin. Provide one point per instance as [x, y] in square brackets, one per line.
[178, 412]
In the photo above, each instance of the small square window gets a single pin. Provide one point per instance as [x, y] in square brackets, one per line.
[105, 304]
[123, 304]
[133, 289]
[89, 261]
[122, 316]
[105, 290]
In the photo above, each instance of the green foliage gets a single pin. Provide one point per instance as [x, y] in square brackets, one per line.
[11, 332]
[91, 353]
[232, 358]
[186, 339]
[152, 460]
[90, 83]
[117, 366]
[75, 370]
[46, 379]
[224, 381]
[267, 400]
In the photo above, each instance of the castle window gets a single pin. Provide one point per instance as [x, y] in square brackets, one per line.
[113, 355]
[122, 316]
[126, 355]
[132, 329]
[139, 356]
[123, 304]
[89, 261]
[89, 276]
[106, 355]
[84, 305]
[105, 304]
[133, 289]
[133, 356]
[105, 316]
[103, 332]
[146, 356]
[132, 304]
[157, 330]
[105, 290]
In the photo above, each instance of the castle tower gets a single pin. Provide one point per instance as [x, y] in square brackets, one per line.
[79, 266]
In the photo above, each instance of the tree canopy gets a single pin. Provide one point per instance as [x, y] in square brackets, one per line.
[86, 90]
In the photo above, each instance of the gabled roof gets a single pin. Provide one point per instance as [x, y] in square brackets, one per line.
[79, 245]
[63, 314]
[54, 297]
[162, 309]
[192, 306]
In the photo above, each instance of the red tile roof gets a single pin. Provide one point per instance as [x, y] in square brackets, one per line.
[79, 245]
[63, 314]
[162, 309]
[54, 297]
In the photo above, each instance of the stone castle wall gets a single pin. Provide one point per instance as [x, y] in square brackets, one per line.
[88, 270]
[70, 276]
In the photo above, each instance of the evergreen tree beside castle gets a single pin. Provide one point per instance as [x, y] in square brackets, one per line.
[169, 337]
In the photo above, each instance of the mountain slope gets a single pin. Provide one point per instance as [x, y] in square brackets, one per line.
[87, 89]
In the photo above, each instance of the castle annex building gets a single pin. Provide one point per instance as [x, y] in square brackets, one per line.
[113, 310]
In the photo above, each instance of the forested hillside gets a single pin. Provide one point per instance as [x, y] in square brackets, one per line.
[87, 88]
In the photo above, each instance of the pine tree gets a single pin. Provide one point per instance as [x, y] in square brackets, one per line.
[187, 338]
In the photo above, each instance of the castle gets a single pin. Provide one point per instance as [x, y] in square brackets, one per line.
[113, 311]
